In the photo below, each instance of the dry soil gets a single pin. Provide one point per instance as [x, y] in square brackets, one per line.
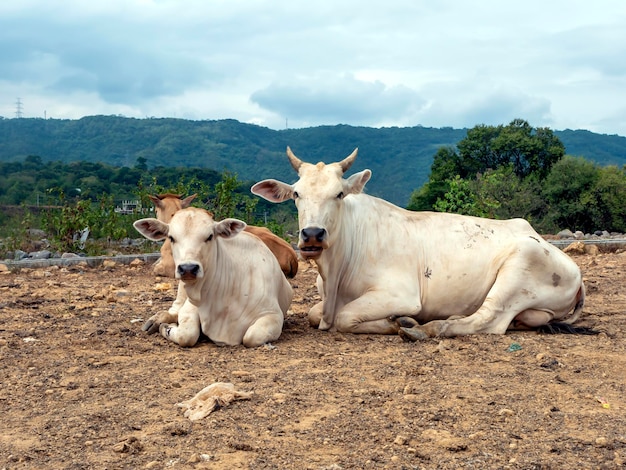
[82, 387]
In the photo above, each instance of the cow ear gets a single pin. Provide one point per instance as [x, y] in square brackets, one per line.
[272, 190]
[185, 202]
[356, 182]
[152, 229]
[156, 201]
[228, 228]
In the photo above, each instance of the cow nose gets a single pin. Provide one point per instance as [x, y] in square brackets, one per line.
[188, 270]
[319, 234]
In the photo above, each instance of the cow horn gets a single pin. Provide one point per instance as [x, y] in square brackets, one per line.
[347, 162]
[296, 163]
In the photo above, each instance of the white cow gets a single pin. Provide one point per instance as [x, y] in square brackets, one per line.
[235, 290]
[385, 269]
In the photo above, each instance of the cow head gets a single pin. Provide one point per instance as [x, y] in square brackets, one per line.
[193, 235]
[319, 196]
[166, 205]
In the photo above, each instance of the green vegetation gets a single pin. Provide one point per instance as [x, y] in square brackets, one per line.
[517, 171]
[66, 199]
[400, 158]
[65, 176]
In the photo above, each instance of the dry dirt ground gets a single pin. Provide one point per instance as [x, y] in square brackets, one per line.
[82, 387]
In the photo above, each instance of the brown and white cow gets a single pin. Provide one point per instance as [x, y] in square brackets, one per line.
[166, 205]
[235, 290]
[385, 269]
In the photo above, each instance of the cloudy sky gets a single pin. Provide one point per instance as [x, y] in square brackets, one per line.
[278, 63]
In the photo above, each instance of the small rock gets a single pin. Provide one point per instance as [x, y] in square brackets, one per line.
[240, 373]
[40, 274]
[602, 441]
[43, 254]
[195, 458]
[108, 264]
[130, 445]
[506, 412]
[400, 440]
[162, 286]
[280, 397]
[575, 247]
[565, 234]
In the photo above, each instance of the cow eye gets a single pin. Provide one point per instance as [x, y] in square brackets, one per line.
[171, 239]
[209, 238]
[340, 195]
[296, 195]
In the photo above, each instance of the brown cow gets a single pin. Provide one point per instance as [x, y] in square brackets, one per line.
[168, 204]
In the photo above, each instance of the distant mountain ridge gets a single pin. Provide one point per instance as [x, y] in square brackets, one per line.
[399, 157]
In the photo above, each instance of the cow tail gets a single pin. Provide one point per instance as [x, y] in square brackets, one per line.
[578, 308]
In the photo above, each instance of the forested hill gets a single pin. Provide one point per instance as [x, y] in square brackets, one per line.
[400, 158]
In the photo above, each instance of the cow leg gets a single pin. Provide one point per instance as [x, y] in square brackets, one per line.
[533, 299]
[154, 322]
[315, 314]
[181, 297]
[317, 311]
[171, 316]
[265, 329]
[486, 320]
[187, 331]
[376, 312]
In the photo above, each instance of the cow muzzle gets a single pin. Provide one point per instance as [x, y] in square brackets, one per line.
[313, 240]
[188, 271]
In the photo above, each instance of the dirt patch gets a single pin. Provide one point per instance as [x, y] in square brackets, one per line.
[83, 387]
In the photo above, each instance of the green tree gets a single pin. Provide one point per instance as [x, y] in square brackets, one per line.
[569, 192]
[528, 152]
[506, 196]
[142, 164]
[229, 202]
[610, 191]
[460, 199]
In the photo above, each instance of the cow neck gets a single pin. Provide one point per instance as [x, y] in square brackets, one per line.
[217, 274]
[334, 267]
[222, 270]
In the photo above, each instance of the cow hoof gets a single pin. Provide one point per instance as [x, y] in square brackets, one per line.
[165, 329]
[150, 326]
[404, 322]
[412, 334]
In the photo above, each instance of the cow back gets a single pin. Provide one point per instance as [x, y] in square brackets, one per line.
[284, 253]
